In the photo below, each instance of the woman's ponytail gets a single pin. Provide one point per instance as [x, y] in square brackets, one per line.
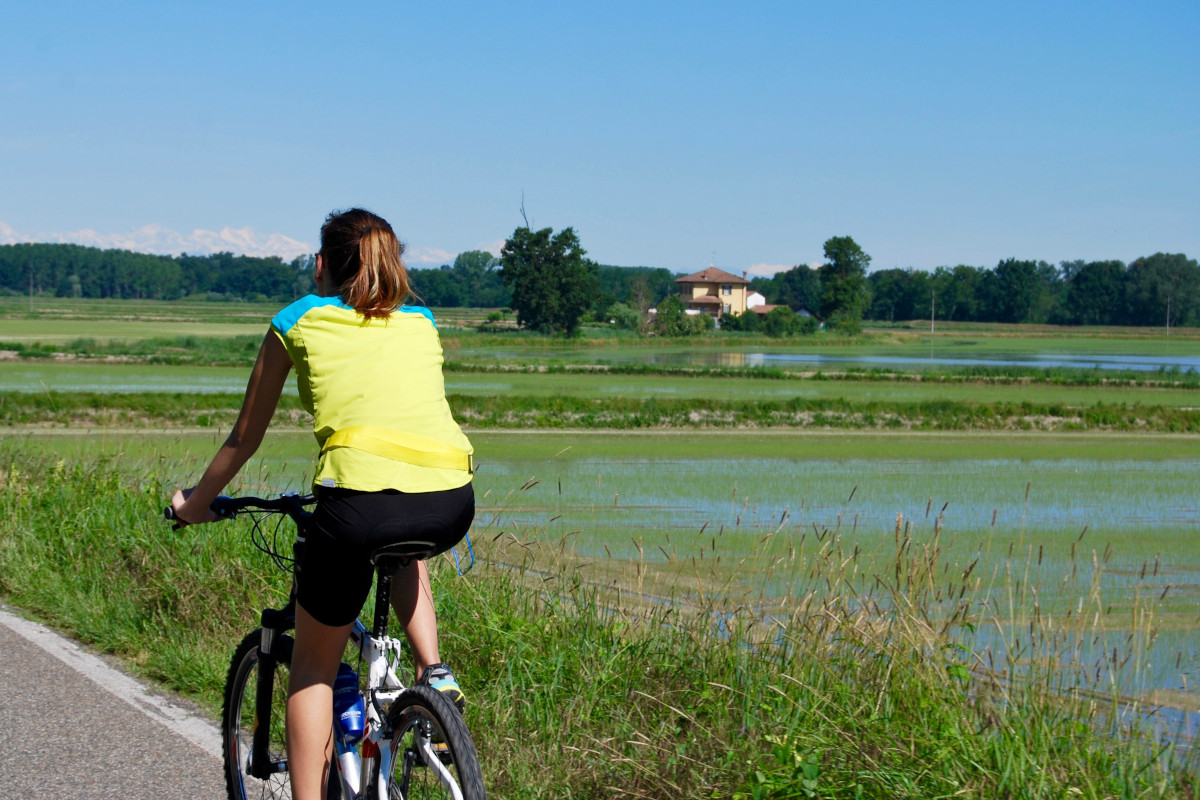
[364, 258]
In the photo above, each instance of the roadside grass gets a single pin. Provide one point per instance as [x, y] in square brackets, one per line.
[863, 682]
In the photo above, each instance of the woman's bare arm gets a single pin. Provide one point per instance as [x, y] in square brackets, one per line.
[262, 396]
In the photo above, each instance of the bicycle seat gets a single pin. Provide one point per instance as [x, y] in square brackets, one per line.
[414, 550]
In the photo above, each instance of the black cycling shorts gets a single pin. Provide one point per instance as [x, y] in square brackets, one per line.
[347, 526]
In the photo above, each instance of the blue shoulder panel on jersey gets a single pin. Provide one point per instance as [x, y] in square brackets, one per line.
[287, 318]
[422, 310]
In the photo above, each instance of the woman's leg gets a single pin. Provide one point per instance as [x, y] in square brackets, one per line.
[315, 661]
[412, 597]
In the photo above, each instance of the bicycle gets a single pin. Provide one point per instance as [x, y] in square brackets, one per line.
[414, 730]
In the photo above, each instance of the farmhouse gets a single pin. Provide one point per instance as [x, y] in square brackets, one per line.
[758, 304]
[713, 291]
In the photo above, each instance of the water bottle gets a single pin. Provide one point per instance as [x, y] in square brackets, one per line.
[347, 706]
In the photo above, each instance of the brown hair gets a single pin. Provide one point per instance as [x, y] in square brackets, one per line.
[362, 255]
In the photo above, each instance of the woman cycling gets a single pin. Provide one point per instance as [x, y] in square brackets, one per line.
[394, 466]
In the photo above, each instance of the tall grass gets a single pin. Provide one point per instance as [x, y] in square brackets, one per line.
[622, 679]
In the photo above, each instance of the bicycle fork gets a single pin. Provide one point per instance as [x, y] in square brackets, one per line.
[261, 766]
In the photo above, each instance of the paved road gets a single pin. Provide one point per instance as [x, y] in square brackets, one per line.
[71, 726]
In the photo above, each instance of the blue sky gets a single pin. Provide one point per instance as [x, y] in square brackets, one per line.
[668, 134]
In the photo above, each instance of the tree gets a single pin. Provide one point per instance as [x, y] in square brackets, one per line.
[899, 294]
[670, 319]
[477, 272]
[958, 292]
[1164, 285]
[552, 282]
[780, 322]
[1095, 293]
[623, 316]
[799, 289]
[844, 292]
[1023, 291]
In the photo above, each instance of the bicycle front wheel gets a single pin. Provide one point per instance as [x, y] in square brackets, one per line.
[434, 756]
[238, 722]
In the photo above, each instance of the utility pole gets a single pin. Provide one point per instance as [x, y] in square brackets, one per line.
[932, 317]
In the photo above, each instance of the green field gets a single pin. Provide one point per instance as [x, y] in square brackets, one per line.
[857, 568]
[664, 499]
[864, 683]
[61, 320]
[28, 375]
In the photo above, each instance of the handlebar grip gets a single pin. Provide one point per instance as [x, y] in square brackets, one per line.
[222, 506]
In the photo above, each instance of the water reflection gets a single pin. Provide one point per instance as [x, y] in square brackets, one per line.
[763, 359]
[708, 357]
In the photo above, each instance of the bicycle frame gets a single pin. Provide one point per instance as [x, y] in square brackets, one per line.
[382, 653]
[373, 756]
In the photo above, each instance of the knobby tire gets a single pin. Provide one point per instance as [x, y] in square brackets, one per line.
[420, 707]
[238, 720]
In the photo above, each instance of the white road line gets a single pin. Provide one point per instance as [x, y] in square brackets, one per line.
[191, 727]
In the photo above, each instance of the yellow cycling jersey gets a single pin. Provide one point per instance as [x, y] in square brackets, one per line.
[379, 383]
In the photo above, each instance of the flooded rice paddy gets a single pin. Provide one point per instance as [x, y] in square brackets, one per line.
[129, 378]
[1052, 537]
[1061, 528]
[907, 358]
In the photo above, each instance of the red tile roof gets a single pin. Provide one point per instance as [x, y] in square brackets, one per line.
[704, 299]
[711, 275]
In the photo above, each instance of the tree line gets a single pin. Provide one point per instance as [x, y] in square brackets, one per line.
[1154, 290]
[1149, 291]
[70, 270]
[473, 280]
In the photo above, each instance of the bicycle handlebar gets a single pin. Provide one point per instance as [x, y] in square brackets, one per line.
[229, 507]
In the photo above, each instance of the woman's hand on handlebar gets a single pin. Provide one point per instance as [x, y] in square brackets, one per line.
[185, 514]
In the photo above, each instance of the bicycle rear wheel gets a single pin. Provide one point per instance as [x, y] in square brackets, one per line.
[427, 728]
[238, 722]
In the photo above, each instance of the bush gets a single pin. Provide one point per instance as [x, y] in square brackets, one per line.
[807, 326]
[781, 321]
[748, 322]
[845, 323]
[624, 316]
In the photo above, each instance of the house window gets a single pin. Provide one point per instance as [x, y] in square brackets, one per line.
[726, 289]
[724, 308]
